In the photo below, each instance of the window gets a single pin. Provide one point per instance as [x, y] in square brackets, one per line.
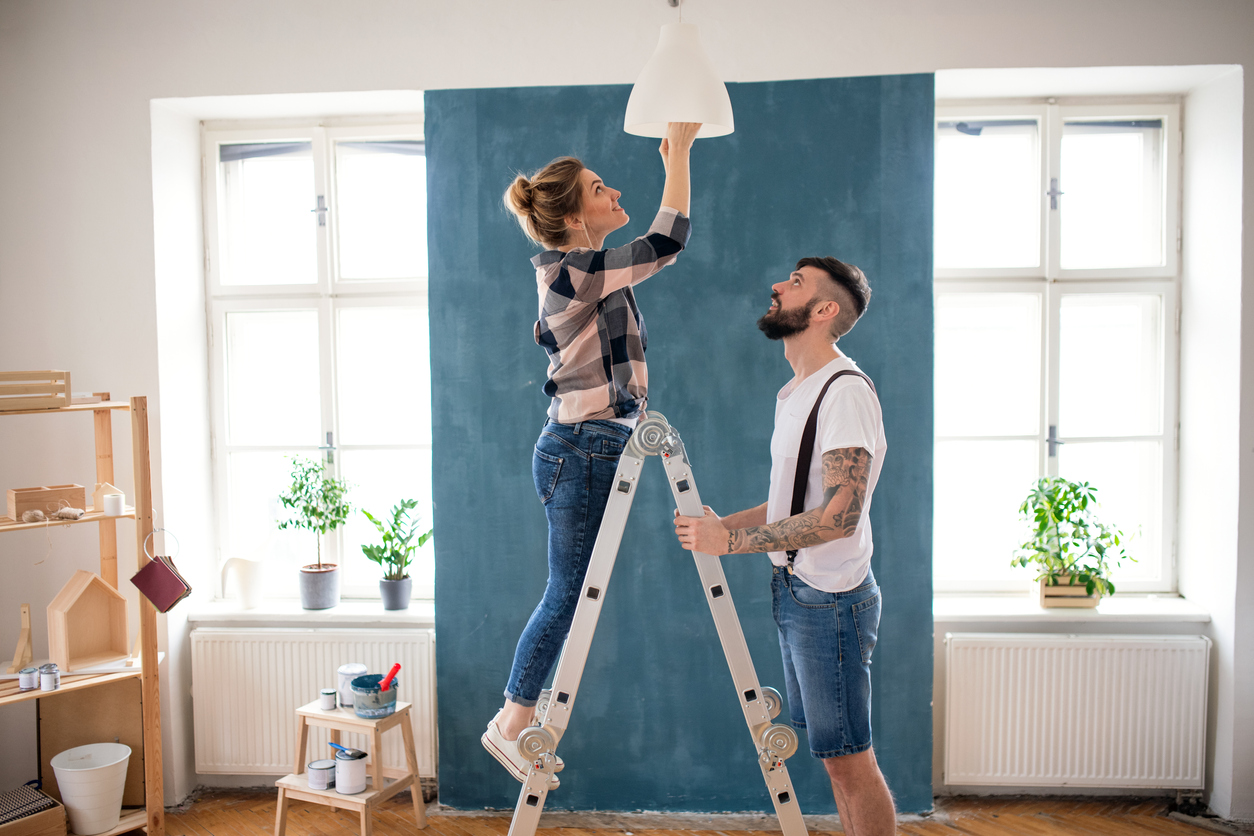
[1056, 294]
[317, 263]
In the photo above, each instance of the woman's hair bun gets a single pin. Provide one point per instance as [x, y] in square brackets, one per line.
[543, 201]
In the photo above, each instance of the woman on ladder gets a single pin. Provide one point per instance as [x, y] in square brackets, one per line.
[595, 337]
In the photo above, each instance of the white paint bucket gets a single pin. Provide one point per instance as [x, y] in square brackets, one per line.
[347, 673]
[350, 772]
[321, 774]
[91, 779]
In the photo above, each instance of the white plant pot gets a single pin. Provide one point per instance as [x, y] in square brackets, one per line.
[91, 779]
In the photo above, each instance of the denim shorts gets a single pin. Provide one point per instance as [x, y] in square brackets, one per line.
[826, 639]
[573, 467]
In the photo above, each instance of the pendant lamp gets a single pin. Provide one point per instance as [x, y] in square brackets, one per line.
[679, 84]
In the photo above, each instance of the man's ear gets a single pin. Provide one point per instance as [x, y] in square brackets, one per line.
[829, 310]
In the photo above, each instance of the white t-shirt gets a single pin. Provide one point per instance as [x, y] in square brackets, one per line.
[849, 417]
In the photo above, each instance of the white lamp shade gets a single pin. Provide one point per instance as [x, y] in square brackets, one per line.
[679, 84]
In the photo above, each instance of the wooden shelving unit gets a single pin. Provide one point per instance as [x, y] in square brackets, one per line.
[152, 816]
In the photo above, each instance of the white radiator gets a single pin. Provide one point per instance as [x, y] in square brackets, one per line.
[1075, 710]
[248, 683]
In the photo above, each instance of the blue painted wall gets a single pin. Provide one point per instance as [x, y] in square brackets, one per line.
[824, 167]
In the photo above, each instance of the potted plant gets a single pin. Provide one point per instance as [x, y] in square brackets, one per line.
[316, 500]
[396, 551]
[1071, 549]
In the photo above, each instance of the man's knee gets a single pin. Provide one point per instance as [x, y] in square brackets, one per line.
[851, 770]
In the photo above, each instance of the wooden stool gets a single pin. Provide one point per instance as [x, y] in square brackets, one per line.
[378, 787]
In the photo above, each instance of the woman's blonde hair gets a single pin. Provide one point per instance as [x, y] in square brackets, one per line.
[543, 201]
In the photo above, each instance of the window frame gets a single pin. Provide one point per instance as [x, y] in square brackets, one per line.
[327, 296]
[1051, 283]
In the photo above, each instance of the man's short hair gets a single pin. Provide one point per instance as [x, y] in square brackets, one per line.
[849, 288]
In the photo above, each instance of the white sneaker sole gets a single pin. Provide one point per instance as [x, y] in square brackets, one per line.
[495, 745]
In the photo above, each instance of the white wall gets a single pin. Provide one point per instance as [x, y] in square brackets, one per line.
[78, 252]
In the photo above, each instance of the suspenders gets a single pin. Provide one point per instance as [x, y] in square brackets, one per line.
[806, 451]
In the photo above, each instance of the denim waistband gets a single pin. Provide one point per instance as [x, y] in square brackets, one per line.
[596, 427]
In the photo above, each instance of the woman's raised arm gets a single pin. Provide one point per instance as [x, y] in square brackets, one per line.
[674, 150]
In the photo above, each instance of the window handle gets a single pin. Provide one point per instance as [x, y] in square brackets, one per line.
[321, 209]
[1053, 193]
[329, 447]
[1052, 441]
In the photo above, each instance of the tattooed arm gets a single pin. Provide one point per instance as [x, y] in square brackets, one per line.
[845, 475]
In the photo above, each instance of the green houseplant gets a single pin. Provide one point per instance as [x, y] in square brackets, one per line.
[1072, 551]
[394, 554]
[317, 502]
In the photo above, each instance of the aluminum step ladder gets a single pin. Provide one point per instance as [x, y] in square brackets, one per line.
[774, 742]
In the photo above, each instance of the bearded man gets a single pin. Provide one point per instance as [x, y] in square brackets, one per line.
[826, 454]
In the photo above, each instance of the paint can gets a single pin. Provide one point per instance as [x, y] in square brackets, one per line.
[347, 673]
[350, 772]
[28, 679]
[321, 774]
[326, 699]
[369, 701]
[49, 677]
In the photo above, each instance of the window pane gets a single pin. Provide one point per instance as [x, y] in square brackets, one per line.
[255, 481]
[381, 479]
[976, 527]
[988, 364]
[384, 376]
[1128, 476]
[988, 204]
[1111, 175]
[269, 234]
[272, 378]
[381, 203]
[1110, 365]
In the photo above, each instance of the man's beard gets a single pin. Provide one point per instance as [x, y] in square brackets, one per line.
[780, 323]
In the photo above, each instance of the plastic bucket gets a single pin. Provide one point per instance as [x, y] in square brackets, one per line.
[91, 779]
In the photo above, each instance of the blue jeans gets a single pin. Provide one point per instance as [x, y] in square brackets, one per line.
[826, 639]
[573, 467]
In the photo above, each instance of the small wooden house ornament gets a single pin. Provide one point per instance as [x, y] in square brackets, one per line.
[97, 496]
[86, 623]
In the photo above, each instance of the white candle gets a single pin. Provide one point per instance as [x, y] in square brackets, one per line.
[113, 504]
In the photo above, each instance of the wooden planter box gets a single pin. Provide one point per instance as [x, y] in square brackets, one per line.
[21, 391]
[1064, 595]
[47, 499]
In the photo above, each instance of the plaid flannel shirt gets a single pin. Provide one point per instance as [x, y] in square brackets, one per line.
[591, 327]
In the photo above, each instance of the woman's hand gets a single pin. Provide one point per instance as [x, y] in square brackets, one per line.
[674, 150]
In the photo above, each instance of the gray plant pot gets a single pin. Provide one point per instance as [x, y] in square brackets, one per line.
[319, 590]
[395, 594]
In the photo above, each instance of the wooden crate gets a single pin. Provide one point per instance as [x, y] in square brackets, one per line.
[1064, 595]
[87, 624]
[47, 498]
[34, 390]
[50, 822]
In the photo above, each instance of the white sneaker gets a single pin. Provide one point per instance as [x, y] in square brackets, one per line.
[506, 752]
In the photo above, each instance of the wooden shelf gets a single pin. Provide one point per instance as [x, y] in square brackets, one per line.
[7, 524]
[78, 407]
[9, 692]
[133, 818]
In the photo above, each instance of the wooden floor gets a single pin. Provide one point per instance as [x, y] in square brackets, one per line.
[248, 813]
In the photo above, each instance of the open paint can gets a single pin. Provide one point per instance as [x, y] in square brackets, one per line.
[370, 701]
[350, 772]
[321, 774]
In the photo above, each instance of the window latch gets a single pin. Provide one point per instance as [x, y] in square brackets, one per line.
[1052, 441]
[1053, 193]
[329, 447]
[321, 209]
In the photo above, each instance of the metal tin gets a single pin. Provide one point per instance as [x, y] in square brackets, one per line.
[369, 701]
[326, 699]
[347, 673]
[28, 679]
[321, 774]
[49, 677]
[350, 772]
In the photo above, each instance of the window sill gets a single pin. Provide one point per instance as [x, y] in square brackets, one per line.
[288, 613]
[947, 608]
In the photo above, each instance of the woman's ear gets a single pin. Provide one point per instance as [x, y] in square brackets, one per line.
[573, 222]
